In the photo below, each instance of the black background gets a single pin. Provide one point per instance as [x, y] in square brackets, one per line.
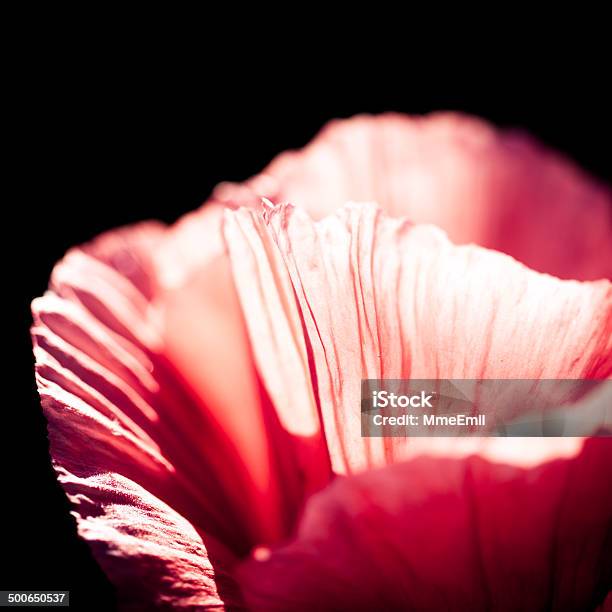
[102, 143]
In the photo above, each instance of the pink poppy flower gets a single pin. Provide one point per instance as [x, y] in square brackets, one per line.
[201, 382]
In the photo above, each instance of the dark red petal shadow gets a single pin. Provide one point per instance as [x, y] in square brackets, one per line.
[449, 534]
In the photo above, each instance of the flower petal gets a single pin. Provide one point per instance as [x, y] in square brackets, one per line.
[501, 190]
[450, 533]
[277, 338]
[97, 448]
[200, 308]
[381, 298]
[102, 372]
[153, 556]
[122, 400]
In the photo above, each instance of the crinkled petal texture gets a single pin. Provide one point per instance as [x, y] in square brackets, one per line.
[382, 298]
[121, 420]
[498, 189]
[504, 524]
[155, 410]
[155, 557]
